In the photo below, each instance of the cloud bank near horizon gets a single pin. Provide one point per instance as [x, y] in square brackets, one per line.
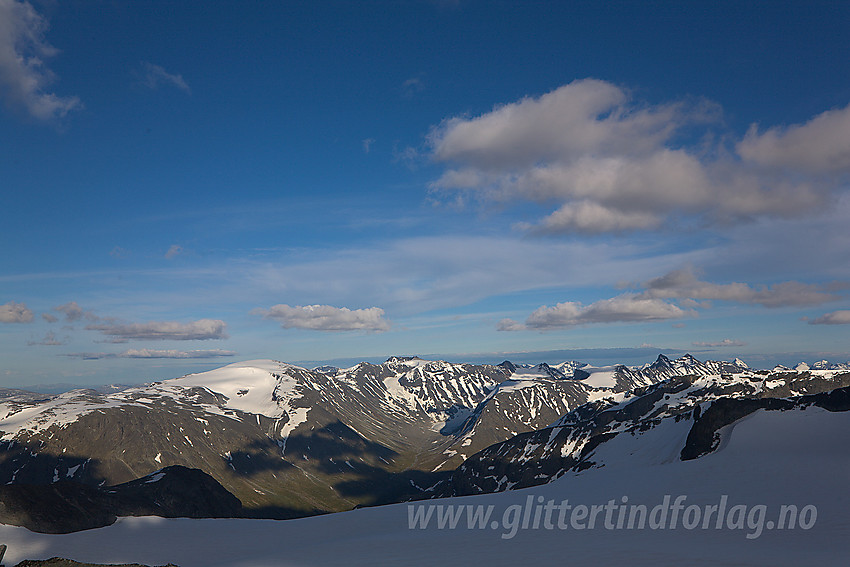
[664, 298]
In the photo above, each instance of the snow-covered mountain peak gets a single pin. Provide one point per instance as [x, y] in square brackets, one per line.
[568, 367]
[687, 360]
[256, 386]
[528, 372]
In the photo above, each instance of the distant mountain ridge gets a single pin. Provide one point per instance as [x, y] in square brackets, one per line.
[692, 408]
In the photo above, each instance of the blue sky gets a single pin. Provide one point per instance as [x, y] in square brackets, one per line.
[342, 181]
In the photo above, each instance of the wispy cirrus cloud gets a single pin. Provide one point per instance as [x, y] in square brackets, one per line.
[155, 75]
[412, 85]
[723, 343]
[14, 312]
[173, 251]
[200, 330]
[49, 340]
[610, 164]
[24, 76]
[424, 273]
[326, 318]
[118, 252]
[154, 353]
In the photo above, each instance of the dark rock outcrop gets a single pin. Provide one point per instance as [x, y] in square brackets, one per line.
[68, 506]
[61, 562]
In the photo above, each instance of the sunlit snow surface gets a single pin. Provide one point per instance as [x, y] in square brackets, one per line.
[772, 458]
[600, 377]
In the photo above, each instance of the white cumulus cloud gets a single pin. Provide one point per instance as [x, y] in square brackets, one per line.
[841, 317]
[591, 217]
[821, 145]
[684, 284]
[73, 312]
[13, 312]
[155, 353]
[625, 308]
[679, 294]
[327, 318]
[509, 325]
[200, 330]
[607, 164]
[171, 353]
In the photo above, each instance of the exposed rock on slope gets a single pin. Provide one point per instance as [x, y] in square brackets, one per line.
[69, 506]
[703, 405]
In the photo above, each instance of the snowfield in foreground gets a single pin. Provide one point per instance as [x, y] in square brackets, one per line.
[771, 458]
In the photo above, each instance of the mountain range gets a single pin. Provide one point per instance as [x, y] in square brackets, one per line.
[274, 440]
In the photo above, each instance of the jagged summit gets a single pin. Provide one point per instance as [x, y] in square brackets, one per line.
[620, 378]
[826, 365]
[402, 359]
[687, 360]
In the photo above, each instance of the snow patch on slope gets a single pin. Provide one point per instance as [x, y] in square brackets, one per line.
[600, 376]
[60, 411]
